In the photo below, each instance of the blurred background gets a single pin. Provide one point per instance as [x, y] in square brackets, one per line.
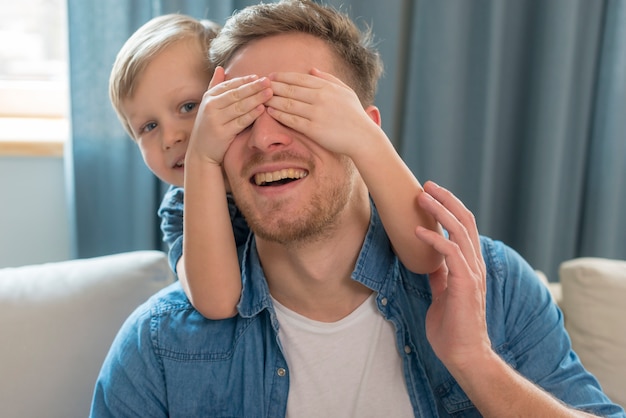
[517, 106]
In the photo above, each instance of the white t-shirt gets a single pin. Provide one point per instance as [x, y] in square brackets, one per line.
[348, 368]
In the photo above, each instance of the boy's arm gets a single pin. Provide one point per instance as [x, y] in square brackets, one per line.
[395, 190]
[329, 112]
[171, 214]
[209, 268]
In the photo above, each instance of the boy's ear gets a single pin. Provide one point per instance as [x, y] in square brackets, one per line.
[374, 113]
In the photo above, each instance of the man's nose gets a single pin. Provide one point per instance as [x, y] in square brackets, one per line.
[267, 134]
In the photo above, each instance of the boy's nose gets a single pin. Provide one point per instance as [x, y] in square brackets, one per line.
[266, 134]
[172, 136]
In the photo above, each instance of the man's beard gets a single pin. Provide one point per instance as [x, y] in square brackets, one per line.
[310, 222]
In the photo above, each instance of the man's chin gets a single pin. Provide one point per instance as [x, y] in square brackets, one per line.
[293, 231]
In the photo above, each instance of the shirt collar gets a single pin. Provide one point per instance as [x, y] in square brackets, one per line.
[371, 269]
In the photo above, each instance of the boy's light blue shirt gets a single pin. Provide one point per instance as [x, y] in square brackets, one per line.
[171, 214]
[168, 360]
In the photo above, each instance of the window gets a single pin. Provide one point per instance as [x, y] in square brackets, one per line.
[34, 94]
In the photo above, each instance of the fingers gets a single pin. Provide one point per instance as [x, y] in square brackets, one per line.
[328, 77]
[452, 214]
[462, 250]
[456, 208]
[294, 94]
[306, 102]
[311, 80]
[239, 100]
[302, 88]
[295, 99]
[227, 108]
[456, 261]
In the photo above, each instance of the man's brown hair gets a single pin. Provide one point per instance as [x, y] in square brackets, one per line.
[359, 62]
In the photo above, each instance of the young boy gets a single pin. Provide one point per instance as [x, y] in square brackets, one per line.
[158, 87]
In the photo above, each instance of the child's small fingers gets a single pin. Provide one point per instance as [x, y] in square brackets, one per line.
[246, 119]
[227, 86]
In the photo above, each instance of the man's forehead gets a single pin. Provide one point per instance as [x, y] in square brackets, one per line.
[289, 52]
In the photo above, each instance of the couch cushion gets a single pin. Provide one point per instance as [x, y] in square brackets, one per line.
[594, 305]
[58, 321]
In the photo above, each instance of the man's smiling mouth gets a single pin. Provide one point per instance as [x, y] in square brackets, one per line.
[279, 177]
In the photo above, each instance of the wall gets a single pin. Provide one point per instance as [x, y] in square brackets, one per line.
[34, 226]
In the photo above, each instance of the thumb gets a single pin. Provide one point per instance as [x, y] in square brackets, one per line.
[219, 75]
[438, 280]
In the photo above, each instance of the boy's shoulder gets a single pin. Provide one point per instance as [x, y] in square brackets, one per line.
[170, 298]
[172, 204]
[174, 194]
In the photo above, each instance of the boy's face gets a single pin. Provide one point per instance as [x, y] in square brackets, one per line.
[163, 108]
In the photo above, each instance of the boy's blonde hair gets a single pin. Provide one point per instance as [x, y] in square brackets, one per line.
[148, 41]
[358, 60]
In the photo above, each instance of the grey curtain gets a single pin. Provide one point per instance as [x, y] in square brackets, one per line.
[515, 105]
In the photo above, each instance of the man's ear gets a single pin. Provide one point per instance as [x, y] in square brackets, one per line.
[374, 113]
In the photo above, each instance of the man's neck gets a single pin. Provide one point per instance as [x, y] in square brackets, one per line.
[313, 278]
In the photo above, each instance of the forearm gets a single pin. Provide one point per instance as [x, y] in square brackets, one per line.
[395, 189]
[498, 390]
[211, 274]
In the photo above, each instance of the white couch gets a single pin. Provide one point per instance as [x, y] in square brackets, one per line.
[57, 321]
[593, 300]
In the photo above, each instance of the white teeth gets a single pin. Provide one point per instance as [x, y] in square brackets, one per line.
[286, 173]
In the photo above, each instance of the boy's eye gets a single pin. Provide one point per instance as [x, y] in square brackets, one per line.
[188, 107]
[148, 127]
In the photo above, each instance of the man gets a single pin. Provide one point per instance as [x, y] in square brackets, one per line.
[330, 323]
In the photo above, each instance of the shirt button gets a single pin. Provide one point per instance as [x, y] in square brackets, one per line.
[383, 301]
[407, 349]
[281, 372]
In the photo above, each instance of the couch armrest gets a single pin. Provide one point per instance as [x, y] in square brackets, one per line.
[594, 295]
[58, 321]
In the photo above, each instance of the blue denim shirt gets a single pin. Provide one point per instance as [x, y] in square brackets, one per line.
[168, 360]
